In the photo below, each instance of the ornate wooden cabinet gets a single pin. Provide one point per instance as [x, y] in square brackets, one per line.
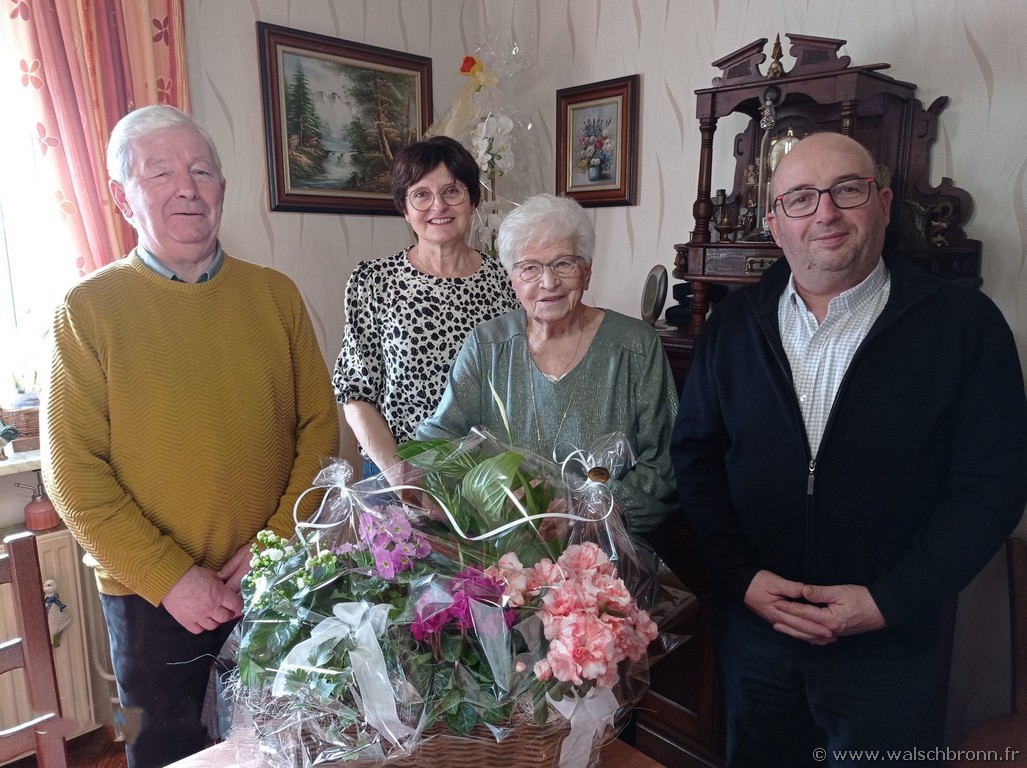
[821, 92]
[680, 722]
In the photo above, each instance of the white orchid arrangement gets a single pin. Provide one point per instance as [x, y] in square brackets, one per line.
[485, 120]
[492, 147]
[491, 141]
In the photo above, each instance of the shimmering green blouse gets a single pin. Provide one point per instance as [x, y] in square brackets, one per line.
[623, 384]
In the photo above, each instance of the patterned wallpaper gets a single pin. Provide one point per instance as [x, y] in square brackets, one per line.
[946, 47]
[951, 48]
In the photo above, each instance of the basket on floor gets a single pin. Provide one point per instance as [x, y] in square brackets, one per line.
[25, 420]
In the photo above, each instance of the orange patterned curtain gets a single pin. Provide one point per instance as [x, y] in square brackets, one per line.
[82, 65]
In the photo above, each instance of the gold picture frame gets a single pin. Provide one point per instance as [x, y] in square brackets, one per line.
[326, 151]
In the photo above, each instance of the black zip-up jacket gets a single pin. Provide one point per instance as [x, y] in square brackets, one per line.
[922, 470]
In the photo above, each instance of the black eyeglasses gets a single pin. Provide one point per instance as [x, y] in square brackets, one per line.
[423, 199]
[800, 203]
[531, 271]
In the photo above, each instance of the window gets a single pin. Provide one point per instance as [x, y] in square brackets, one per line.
[37, 260]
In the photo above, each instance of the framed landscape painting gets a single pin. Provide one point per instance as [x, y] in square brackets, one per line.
[597, 141]
[336, 113]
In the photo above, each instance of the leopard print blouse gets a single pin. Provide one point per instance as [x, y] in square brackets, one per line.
[403, 330]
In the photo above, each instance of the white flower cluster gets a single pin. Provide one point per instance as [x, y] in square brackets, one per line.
[491, 142]
[268, 550]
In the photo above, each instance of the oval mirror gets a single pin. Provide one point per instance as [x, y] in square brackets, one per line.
[654, 294]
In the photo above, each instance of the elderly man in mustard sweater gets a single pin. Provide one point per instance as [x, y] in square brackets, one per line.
[189, 405]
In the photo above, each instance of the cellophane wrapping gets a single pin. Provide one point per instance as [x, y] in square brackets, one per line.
[477, 589]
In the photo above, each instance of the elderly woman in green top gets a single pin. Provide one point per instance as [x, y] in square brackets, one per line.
[567, 373]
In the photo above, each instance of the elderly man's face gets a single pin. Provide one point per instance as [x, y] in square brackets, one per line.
[174, 195]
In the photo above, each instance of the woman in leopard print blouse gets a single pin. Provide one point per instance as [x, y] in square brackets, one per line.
[407, 314]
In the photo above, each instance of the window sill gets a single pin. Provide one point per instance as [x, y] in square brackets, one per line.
[26, 461]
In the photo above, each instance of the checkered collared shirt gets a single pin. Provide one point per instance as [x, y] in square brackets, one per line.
[820, 354]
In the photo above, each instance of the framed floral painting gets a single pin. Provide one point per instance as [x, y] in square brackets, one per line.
[597, 142]
[335, 115]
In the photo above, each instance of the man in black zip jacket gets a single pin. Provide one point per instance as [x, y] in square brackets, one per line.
[851, 450]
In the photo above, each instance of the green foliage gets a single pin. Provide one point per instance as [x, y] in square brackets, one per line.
[482, 492]
[385, 119]
[486, 486]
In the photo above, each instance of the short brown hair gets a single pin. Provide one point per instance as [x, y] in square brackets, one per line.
[417, 160]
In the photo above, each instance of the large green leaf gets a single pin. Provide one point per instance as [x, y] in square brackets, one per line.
[537, 497]
[452, 645]
[251, 674]
[485, 487]
[442, 456]
[269, 639]
[411, 449]
[462, 718]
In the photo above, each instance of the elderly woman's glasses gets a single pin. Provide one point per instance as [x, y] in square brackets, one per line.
[423, 199]
[530, 271]
[850, 193]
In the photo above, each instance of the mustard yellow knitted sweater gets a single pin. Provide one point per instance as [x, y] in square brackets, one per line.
[181, 418]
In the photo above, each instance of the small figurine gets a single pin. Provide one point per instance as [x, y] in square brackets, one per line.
[776, 70]
[928, 221]
[7, 434]
[56, 617]
[752, 184]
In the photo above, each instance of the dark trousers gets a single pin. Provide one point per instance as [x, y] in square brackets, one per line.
[789, 704]
[162, 671]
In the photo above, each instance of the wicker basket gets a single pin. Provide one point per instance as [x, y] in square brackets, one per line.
[526, 745]
[25, 420]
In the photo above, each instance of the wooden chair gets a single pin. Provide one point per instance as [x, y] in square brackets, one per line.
[45, 732]
[1005, 736]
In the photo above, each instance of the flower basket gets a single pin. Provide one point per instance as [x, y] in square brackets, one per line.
[524, 746]
[489, 606]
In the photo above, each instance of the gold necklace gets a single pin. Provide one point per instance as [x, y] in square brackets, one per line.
[416, 263]
[570, 398]
[577, 345]
[414, 257]
[563, 419]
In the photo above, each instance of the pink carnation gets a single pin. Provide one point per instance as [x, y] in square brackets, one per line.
[588, 616]
[542, 670]
[582, 558]
[612, 594]
[584, 649]
[545, 574]
[510, 571]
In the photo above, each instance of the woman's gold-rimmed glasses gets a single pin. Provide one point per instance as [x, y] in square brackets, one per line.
[423, 199]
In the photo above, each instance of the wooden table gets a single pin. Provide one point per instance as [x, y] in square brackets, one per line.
[241, 752]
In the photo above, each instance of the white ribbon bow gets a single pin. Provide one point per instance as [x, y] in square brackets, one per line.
[364, 623]
[590, 715]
